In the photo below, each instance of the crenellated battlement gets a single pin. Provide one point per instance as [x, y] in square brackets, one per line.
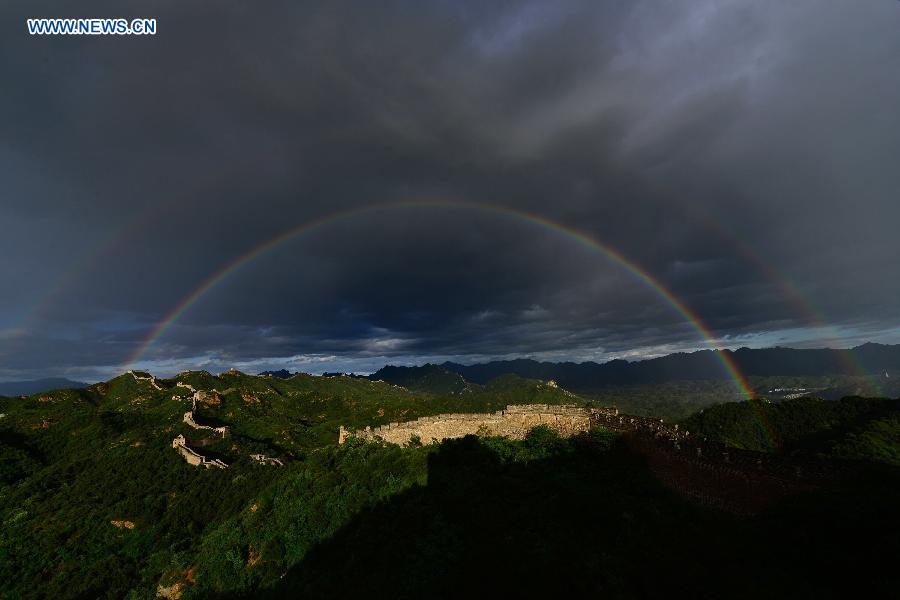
[741, 481]
[194, 458]
[189, 415]
[148, 377]
[514, 421]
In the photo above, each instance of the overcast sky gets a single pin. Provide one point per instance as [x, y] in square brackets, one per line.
[746, 153]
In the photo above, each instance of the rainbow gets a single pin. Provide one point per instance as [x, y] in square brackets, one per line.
[789, 292]
[89, 260]
[582, 238]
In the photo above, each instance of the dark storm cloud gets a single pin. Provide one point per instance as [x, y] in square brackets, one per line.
[683, 134]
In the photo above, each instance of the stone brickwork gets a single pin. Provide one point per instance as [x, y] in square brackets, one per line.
[193, 458]
[739, 481]
[513, 422]
[672, 439]
[189, 415]
[143, 376]
[732, 479]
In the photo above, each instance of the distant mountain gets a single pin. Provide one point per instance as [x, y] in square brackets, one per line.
[342, 374]
[432, 379]
[874, 359]
[285, 374]
[26, 388]
[282, 374]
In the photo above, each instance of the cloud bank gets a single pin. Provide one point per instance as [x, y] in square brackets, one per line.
[743, 153]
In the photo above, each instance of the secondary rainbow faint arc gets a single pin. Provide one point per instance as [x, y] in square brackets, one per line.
[583, 238]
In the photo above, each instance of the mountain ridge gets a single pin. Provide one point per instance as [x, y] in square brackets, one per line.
[34, 386]
[871, 359]
[101, 483]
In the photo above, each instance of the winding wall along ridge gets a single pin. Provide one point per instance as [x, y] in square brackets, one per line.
[740, 481]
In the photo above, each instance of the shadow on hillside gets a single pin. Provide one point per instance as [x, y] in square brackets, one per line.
[593, 523]
[823, 439]
[14, 439]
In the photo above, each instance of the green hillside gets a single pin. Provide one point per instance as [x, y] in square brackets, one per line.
[861, 428]
[72, 461]
[429, 378]
[95, 502]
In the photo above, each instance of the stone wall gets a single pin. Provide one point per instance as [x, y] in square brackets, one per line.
[516, 420]
[732, 479]
[193, 458]
[189, 415]
[513, 422]
[741, 481]
[144, 376]
[657, 434]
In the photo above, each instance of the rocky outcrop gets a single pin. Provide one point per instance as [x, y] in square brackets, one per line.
[250, 397]
[171, 592]
[208, 398]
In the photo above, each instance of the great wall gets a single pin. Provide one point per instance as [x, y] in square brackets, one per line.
[739, 481]
[142, 376]
[201, 396]
[714, 474]
[193, 458]
[180, 442]
[515, 421]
